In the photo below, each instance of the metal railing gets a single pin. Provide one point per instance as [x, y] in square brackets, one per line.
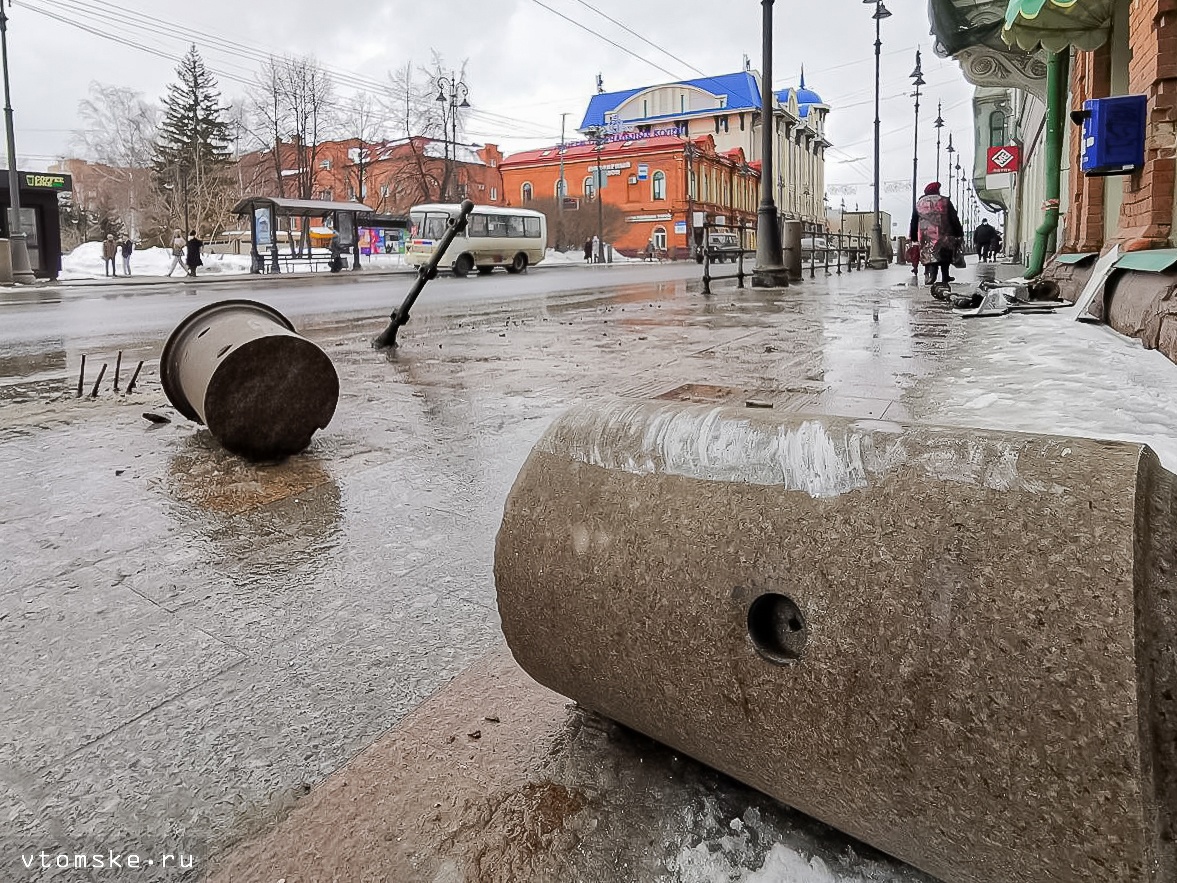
[819, 249]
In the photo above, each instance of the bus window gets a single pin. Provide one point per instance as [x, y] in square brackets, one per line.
[478, 226]
[435, 224]
[416, 223]
[514, 225]
[497, 225]
[531, 225]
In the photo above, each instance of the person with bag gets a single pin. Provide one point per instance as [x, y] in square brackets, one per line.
[936, 227]
[110, 249]
[177, 253]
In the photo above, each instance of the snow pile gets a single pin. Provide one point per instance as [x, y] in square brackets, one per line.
[85, 262]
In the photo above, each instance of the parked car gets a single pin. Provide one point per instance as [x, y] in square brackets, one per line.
[720, 247]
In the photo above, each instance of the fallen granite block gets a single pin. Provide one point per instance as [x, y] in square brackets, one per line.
[956, 645]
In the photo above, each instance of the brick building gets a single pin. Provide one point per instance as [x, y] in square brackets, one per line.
[662, 182]
[388, 176]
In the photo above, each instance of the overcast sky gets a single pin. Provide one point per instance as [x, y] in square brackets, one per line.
[525, 64]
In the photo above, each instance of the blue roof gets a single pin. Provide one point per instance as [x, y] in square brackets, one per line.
[741, 89]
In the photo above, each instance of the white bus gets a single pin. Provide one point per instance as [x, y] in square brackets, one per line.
[514, 238]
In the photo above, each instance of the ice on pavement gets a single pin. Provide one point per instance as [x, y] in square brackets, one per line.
[1054, 375]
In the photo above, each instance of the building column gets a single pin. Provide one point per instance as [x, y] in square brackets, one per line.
[1146, 216]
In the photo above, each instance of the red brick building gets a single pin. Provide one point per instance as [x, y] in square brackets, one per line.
[389, 176]
[664, 184]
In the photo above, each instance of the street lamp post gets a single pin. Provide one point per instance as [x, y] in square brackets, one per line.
[878, 259]
[22, 270]
[939, 124]
[951, 151]
[449, 89]
[769, 271]
[917, 77]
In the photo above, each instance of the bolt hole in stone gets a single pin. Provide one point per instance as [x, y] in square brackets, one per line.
[224, 350]
[777, 628]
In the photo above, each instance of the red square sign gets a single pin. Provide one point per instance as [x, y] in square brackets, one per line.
[1003, 159]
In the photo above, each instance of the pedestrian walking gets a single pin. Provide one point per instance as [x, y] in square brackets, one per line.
[936, 226]
[127, 248]
[983, 238]
[192, 258]
[596, 250]
[588, 251]
[178, 246]
[110, 250]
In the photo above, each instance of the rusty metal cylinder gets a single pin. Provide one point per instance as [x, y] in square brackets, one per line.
[793, 235]
[239, 367]
[955, 645]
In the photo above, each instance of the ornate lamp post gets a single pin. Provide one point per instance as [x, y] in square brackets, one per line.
[22, 271]
[449, 90]
[951, 150]
[939, 124]
[769, 271]
[878, 258]
[917, 77]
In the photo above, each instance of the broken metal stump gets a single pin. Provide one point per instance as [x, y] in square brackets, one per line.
[239, 367]
[953, 644]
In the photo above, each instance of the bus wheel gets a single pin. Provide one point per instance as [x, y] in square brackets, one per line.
[463, 265]
[519, 264]
[485, 271]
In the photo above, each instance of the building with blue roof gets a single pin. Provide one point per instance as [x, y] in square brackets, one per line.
[727, 107]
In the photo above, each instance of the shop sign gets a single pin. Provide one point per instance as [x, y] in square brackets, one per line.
[634, 219]
[643, 171]
[38, 181]
[1002, 159]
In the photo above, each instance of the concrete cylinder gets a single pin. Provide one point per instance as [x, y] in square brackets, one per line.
[238, 367]
[792, 249]
[5, 263]
[953, 644]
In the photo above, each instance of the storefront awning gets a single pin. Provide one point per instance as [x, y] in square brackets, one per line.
[1056, 24]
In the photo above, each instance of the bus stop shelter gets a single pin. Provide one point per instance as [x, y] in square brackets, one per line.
[263, 213]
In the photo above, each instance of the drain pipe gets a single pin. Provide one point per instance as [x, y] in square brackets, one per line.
[1057, 68]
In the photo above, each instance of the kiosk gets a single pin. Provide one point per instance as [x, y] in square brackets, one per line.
[39, 217]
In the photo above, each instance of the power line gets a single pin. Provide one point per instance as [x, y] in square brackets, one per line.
[640, 37]
[601, 36]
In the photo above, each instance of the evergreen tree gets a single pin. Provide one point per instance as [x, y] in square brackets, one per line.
[192, 149]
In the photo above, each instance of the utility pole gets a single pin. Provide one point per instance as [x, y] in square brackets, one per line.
[561, 187]
[18, 245]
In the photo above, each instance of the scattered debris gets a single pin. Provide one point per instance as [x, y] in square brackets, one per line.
[757, 403]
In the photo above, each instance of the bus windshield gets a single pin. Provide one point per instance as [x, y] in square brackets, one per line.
[428, 225]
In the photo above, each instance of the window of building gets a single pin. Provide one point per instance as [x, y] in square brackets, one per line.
[385, 190]
[325, 164]
[660, 238]
[561, 188]
[326, 194]
[997, 129]
[590, 188]
[645, 108]
[659, 185]
[526, 191]
[494, 193]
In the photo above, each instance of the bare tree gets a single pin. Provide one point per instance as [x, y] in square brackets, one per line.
[570, 228]
[419, 100]
[361, 124]
[118, 136]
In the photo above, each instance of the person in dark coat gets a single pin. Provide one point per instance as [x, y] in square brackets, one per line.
[936, 227]
[983, 239]
[588, 251]
[192, 258]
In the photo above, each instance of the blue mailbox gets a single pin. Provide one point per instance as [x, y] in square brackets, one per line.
[1113, 134]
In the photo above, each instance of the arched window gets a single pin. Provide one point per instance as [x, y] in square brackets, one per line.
[997, 129]
[561, 186]
[659, 185]
[526, 192]
[660, 238]
[590, 188]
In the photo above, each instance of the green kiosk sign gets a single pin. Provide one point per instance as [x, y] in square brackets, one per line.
[41, 181]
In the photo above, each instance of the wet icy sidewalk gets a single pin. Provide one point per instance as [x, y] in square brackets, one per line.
[192, 642]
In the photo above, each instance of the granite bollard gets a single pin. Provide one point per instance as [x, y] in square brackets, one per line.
[239, 367]
[953, 644]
